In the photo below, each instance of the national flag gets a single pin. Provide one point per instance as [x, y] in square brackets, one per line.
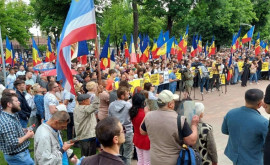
[266, 47]
[194, 47]
[145, 50]
[80, 25]
[112, 60]
[200, 44]
[20, 59]
[160, 40]
[125, 46]
[247, 37]
[183, 42]
[8, 52]
[154, 50]
[241, 44]
[212, 49]
[258, 46]
[132, 52]
[49, 52]
[253, 43]
[139, 47]
[233, 47]
[83, 51]
[105, 55]
[14, 61]
[206, 49]
[173, 48]
[166, 36]
[237, 39]
[166, 47]
[35, 53]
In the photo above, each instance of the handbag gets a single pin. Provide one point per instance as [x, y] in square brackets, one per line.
[187, 156]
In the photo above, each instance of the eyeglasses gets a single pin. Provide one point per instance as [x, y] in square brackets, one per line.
[124, 129]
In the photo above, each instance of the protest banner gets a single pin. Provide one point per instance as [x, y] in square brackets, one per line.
[265, 67]
[154, 79]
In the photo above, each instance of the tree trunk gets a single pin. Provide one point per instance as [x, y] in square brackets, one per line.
[136, 21]
[169, 24]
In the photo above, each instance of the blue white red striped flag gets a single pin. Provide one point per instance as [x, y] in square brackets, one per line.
[80, 25]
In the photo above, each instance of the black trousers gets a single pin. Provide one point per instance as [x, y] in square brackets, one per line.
[216, 80]
[70, 126]
[88, 147]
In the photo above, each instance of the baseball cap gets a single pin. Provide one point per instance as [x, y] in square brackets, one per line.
[83, 97]
[167, 96]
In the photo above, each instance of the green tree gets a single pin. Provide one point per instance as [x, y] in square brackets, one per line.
[117, 20]
[172, 10]
[16, 18]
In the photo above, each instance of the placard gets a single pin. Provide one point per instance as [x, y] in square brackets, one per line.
[154, 79]
[265, 67]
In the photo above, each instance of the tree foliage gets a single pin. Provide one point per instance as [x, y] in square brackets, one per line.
[16, 18]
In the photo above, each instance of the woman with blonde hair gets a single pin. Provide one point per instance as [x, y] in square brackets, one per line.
[92, 89]
[39, 102]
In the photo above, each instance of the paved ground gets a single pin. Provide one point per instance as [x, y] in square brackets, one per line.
[216, 108]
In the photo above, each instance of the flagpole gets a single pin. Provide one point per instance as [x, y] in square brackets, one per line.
[98, 55]
[3, 59]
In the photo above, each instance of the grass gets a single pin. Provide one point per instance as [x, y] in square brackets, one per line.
[76, 151]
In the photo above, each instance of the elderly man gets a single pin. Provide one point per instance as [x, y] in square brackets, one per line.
[50, 100]
[13, 141]
[85, 123]
[161, 127]
[49, 146]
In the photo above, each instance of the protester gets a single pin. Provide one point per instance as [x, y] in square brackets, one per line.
[151, 89]
[162, 123]
[111, 135]
[110, 80]
[173, 80]
[246, 141]
[25, 112]
[253, 72]
[142, 142]
[104, 101]
[70, 102]
[11, 79]
[29, 96]
[50, 100]
[205, 145]
[92, 89]
[120, 109]
[85, 123]
[21, 71]
[29, 80]
[49, 146]
[39, 102]
[266, 105]
[13, 140]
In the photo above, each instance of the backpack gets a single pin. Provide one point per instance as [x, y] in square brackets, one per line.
[187, 155]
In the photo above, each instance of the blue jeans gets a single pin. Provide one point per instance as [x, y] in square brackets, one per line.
[258, 74]
[173, 88]
[22, 158]
[204, 81]
[253, 76]
[24, 123]
[126, 149]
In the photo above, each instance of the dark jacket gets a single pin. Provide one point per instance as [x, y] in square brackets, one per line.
[25, 111]
[102, 159]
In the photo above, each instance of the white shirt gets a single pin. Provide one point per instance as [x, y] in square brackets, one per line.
[49, 99]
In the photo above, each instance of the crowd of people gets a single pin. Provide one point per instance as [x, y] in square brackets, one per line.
[111, 117]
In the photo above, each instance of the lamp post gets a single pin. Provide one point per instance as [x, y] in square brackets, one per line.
[245, 24]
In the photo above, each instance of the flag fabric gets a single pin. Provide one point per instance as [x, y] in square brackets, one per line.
[212, 49]
[200, 44]
[80, 24]
[183, 42]
[83, 51]
[166, 36]
[166, 47]
[266, 47]
[8, 52]
[160, 40]
[13, 61]
[194, 47]
[35, 53]
[48, 51]
[20, 59]
[233, 47]
[154, 50]
[247, 37]
[206, 49]
[112, 60]
[105, 55]
[173, 48]
[125, 46]
[139, 47]
[145, 50]
[133, 58]
[257, 45]
[237, 39]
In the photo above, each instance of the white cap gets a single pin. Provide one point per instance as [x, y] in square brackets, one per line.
[167, 96]
[61, 107]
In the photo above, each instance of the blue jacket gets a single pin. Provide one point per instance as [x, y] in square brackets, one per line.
[247, 131]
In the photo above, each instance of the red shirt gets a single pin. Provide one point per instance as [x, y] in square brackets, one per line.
[109, 86]
[139, 140]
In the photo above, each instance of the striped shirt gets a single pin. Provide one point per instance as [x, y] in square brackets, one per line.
[10, 131]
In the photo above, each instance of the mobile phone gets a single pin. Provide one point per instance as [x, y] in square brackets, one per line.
[74, 140]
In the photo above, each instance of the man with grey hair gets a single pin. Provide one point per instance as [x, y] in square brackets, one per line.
[48, 144]
[162, 123]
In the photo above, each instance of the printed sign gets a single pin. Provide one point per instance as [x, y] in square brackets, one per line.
[155, 79]
[265, 67]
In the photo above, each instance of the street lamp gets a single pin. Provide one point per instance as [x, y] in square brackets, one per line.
[245, 24]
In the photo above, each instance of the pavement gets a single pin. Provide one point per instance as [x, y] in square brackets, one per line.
[217, 104]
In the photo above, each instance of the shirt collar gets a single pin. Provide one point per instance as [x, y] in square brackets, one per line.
[9, 114]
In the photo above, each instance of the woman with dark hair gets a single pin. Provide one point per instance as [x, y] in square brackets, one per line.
[245, 73]
[141, 142]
